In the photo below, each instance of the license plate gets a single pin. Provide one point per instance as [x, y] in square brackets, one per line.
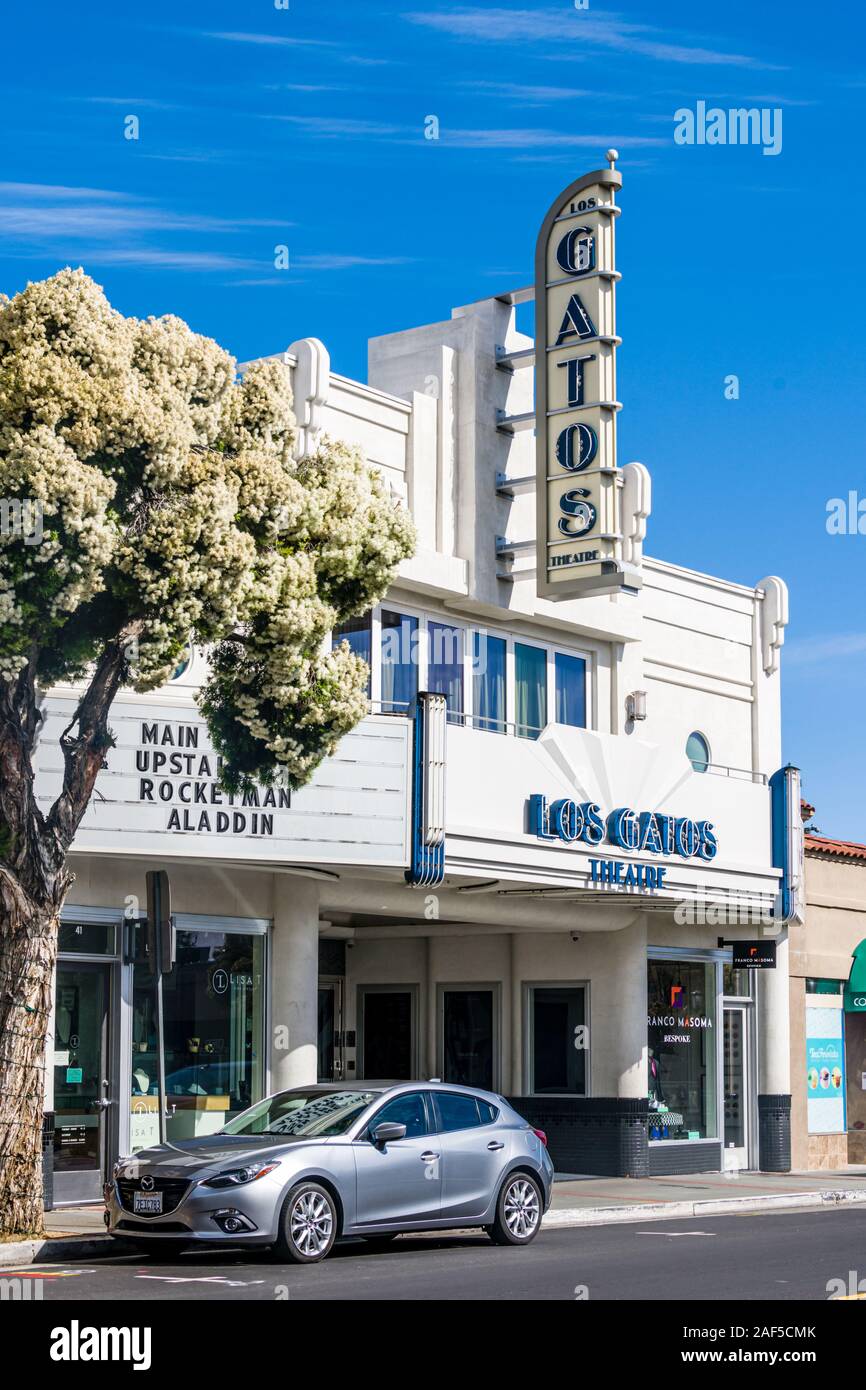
[147, 1203]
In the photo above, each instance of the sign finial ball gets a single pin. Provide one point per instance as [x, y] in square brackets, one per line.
[612, 156]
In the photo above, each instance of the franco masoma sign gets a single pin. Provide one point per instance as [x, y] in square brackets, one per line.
[578, 498]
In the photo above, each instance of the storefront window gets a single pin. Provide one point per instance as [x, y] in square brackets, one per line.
[213, 1004]
[681, 1026]
[737, 983]
[87, 938]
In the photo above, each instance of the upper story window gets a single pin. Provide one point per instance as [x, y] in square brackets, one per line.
[358, 632]
[399, 655]
[489, 674]
[570, 684]
[490, 680]
[530, 690]
[445, 665]
[698, 752]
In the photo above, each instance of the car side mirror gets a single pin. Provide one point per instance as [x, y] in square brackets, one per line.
[387, 1134]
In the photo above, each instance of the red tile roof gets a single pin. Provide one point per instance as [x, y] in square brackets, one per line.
[842, 849]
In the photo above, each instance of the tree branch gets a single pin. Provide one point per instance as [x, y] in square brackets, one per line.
[83, 754]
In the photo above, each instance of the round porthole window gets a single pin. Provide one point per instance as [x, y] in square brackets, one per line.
[698, 752]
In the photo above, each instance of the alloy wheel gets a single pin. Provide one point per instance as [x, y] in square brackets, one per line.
[521, 1208]
[311, 1223]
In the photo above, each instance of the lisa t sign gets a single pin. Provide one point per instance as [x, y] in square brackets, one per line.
[578, 499]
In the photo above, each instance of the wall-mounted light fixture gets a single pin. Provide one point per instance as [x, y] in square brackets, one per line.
[635, 704]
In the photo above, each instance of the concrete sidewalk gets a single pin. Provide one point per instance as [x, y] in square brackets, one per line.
[78, 1232]
[590, 1201]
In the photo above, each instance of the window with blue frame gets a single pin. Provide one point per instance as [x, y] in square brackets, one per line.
[488, 682]
[570, 684]
[358, 632]
[399, 654]
[530, 690]
[445, 666]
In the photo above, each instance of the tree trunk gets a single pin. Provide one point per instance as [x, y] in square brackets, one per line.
[28, 949]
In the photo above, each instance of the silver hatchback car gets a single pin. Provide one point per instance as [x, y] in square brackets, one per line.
[303, 1167]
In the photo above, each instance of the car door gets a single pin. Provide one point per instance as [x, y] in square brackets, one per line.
[400, 1182]
[473, 1153]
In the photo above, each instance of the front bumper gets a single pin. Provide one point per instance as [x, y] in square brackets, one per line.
[215, 1215]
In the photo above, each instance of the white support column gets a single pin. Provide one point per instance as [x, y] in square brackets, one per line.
[774, 1048]
[294, 982]
[623, 1029]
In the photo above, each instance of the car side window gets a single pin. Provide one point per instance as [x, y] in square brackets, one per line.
[408, 1110]
[488, 1112]
[456, 1112]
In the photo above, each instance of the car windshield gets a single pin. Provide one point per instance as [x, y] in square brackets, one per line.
[311, 1113]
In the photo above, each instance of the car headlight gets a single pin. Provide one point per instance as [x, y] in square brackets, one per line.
[235, 1177]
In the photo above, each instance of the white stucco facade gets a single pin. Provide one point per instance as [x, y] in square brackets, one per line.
[518, 924]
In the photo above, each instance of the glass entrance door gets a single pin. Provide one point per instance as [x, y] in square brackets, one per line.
[467, 1047]
[330, 1030]
[387, 1045]
[81, 1081]
[736, 1085]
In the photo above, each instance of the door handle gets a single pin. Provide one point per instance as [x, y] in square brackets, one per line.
[494, 1145]
[428, 1157]
[102, 1104]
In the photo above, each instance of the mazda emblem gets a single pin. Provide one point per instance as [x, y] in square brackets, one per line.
[147, 1184]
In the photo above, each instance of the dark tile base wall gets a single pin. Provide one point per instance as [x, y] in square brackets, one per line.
[601, 1136]
[694, 1157]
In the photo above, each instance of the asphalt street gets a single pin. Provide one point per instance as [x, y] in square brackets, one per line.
[791, 1256]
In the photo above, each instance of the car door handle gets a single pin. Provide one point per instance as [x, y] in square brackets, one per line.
[494, 1145]
[428, 1157]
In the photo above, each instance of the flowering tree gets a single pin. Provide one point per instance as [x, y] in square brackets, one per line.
[170, 506]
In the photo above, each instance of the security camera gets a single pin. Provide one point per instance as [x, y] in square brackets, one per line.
[575, 936]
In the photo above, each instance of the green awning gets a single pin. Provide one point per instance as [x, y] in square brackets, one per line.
[854, 995]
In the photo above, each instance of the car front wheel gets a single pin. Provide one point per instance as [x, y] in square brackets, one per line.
[309, 1224]
[518, 1211]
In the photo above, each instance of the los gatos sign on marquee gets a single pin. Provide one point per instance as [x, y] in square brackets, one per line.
[579, 537]
[643, 832]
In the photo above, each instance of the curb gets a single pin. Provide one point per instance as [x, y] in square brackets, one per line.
[30, 1252]
[721, 1206]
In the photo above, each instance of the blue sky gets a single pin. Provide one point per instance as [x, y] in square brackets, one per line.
[303, 126]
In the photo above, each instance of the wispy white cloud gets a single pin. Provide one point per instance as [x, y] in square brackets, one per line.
[111, 228]
[810, 651]
[326, 261]
[610, 31]
[134, 103]
[267, 40]
[526, 139]
[336, 127]
[163, 258]
[523, 92]
[333, 128]
[58, 192]
[301, 87]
